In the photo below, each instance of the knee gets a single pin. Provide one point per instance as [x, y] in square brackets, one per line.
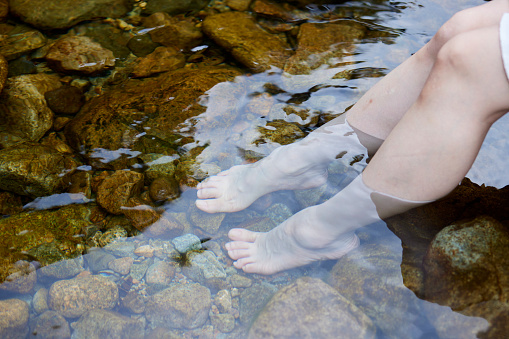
[457, 56]
[456, 25]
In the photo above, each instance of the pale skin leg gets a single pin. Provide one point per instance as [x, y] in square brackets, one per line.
[424, 157]
[375, 114]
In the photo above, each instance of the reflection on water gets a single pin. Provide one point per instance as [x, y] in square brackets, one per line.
[116, 255]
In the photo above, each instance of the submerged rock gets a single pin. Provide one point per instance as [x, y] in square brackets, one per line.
[107, 324]
[13, 318]
[253, 299]
[238, 33]
[370, 277]
[179, 306]
[79, 54]
[23, 108]
[57, 14]
[34, 170]
[51, 324]
[22, 278]
[65, 99]
[163, 59]
[467, 263]
[309, 308]
[74, 297]
[181, 34]
[115, 191]
[21, 43]
[107, 129]
[174, 6]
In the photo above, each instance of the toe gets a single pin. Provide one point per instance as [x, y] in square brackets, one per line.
[237, 245]
[207, 193]
[207, 205]
[241, 234]
[239, 254]
[243, 262]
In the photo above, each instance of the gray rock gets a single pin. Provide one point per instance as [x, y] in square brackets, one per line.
[63, 269]
[186, 243]
[138, 270]
[204, 268]
[278, 213]
[309, 308]
[14, 319]
[40, 301]
[223, 322]
[98, 260]
[51, 324]
[370, 277]
[179, 306]
[22, 277]
[160, 274]
[209, 223]
[253, 299]
[467, 263]
[96, 324]
[223, 301]
[121, 248]
[23, 108]
[74, 297]
[57, 14]
[240, 281]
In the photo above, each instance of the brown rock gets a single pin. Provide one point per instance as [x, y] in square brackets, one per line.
[145, 218]
[107, 324]
[238, 33]
[160, 273]
[50, 324]
[13, 318]
[115, 191]
[163, 59]
[238, 5]
[18, 44]
[121, 265]
[309, 308]
[274, 10]
[79, 54]
[74, 297]
[10, 203]
[320, 44]
[65, 99]
[173, 32]
[23, 109]
[57, 14]
[4, 70]
[164, 188]
[4, 8]
[467, 263]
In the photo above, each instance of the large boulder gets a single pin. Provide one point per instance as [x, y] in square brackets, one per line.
[58, 14]
[309, 308]
[240, 35]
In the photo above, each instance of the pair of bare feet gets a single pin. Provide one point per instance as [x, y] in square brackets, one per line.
[310, 235]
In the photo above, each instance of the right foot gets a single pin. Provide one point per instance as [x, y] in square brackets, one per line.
[237, 188]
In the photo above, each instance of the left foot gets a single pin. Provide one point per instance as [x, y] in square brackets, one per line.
[296, 242]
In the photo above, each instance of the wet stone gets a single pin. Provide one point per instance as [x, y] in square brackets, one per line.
[209, 223]
[115, 191]
[121, 265]
[74, 297]
[65, 100]
[107, 324]
[23, 108]
[179, 306]
[250, 45]
[142, 45]
[238, 5]
[13, 318]
[79, 54]
[278, 213]
[98, 260]
[57, 14]
[174, 6]
[223, 301]
[467, 263]
[240, 281]
[138, 269]
[121, 248]
[10, 203]
[310, 308]
[50, 324]
[163, 59]
[21, 43]
[22, 278]
[4, 8]
[40, 301]
[134, 302]
[253, 299]
[223, 322]
[370, 276]
[4, 70]
[186, 243]
[63, 269]
[173, 32]
[160, 274]
[164, 188]
[279, 131]
[205, 268]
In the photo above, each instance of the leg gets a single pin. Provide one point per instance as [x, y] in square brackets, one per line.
[303, 165]
[425, 157]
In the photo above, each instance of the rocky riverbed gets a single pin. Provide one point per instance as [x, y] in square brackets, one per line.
[111, 111]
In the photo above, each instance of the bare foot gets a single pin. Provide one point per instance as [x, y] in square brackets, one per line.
[237, 188]
[296, 242]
